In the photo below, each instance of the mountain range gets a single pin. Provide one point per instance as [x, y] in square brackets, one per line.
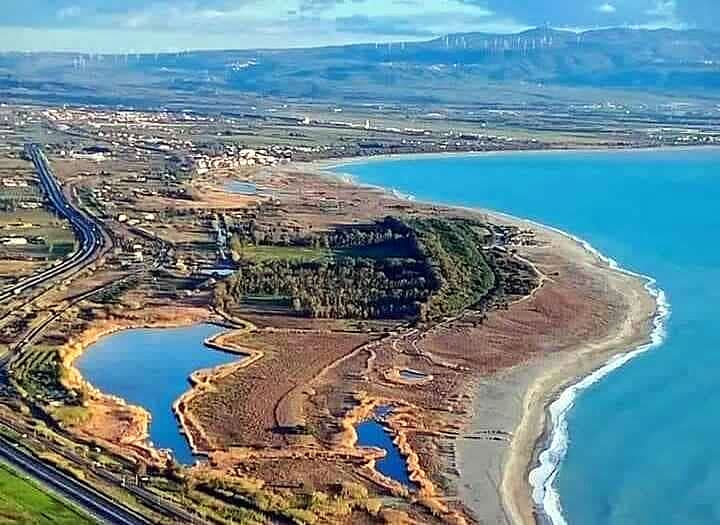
[538, 63]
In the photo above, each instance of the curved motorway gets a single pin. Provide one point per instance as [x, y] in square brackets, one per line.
[92, 240]
[87, 229]
[97, 504]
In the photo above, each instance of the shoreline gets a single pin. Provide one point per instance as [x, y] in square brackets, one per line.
[202, 381]
[76, 381]
[327, 165]
[528, 469]
[551, 451]
[553, 392]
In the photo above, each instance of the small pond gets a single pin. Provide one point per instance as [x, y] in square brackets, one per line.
[373, 433]
[412, 375]
[217, 272]
[150, 368]
[241, 187]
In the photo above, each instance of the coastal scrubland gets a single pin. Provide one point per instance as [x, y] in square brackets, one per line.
[282, 420]
[334, 290]
[263, 405]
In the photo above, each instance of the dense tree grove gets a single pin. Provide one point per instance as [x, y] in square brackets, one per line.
[441, 271]
[389, 229]
[342, 288]
[454, 248]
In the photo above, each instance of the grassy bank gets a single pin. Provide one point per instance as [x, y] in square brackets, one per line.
[22, 501]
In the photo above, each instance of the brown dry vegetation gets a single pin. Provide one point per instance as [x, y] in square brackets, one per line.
[259, 405]
[573, 307]
[283, 418]
[10, 269]
[311, 371]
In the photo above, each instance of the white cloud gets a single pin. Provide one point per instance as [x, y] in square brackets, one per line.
[663, 9]
[143, 24]
[606, 8]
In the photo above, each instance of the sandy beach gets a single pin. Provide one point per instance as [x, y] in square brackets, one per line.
[494, 474]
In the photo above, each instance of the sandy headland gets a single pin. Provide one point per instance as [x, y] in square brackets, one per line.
[586, 312]
[609, 312]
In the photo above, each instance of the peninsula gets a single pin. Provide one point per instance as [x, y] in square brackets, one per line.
[205, 319]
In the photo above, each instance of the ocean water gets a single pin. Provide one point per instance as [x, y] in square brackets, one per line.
[150, 368]
[642, 440]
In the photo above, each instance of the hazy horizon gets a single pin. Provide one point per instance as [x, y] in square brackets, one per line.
[114, 26]
[382, 42]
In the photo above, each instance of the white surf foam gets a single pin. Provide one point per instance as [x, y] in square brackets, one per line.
[542, 478]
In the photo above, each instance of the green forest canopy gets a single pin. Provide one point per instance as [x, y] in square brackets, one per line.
[420, 268]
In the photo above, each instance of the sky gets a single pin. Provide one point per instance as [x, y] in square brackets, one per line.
[103, 26]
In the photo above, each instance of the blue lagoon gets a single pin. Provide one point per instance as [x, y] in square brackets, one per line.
[150, 368]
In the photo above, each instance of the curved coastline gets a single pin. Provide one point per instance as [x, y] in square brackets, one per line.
[334, 164]
[551, 446]
[552, 450]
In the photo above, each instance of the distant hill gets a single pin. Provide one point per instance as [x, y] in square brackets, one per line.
[461, 67]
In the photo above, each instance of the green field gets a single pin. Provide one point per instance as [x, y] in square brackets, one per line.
[58, 237]
[262, 253]
[21, 501]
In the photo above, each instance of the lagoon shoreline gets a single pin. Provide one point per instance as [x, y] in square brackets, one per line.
[168, 318]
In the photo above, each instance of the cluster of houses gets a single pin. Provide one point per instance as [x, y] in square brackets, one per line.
[233, 158]
[14, 183]
[135, 221]
[14, 241]
[17, 240]
[115, 126]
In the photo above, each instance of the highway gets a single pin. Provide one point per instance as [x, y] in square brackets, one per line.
[88, 231]
[92, 240]
[104, 509]
[146, 497]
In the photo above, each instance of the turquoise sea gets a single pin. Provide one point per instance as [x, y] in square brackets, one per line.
[642, 440]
